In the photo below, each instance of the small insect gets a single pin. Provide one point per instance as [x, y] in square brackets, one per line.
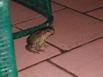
[36, 40]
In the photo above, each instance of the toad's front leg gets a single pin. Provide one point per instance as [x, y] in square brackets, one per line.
[31, 49]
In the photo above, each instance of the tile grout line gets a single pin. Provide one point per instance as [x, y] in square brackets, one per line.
[93, 17]
[54, 64]
[59, 4]
[37, 17]
[53, 56]
[30, 66]
[59, 10]
[91, 41]
[79, 11]
[60, 49]
[27, 20]
[58, 54]
[93, 9]
[70, 50]
[17, 28]
[47, 60]
[32, 19]
[36, 63]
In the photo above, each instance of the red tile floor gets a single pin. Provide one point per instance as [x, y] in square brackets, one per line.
[76, 48]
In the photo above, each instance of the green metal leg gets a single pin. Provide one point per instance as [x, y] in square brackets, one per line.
[7, 56]
[41, 6]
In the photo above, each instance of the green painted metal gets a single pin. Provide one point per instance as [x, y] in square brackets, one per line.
[41, 6]
[7, 56]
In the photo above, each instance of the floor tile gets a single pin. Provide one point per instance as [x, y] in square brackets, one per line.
[31, 23]
[97, 13]
[25, 58]
[20, 13]
[16, 7]
[81, 5]
[82, 33]
[93, 69]
[85, 61]
[24, 18]
[44, 70]
[73, 29]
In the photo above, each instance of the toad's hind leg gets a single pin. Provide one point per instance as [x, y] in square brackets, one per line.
[36, 48]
